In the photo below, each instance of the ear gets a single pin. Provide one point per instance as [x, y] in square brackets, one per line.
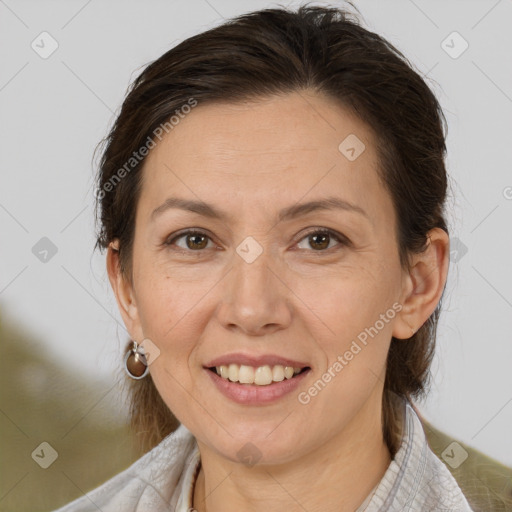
[123, 290]
[423, 284]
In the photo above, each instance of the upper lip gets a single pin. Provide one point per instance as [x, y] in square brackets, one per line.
[256, 361]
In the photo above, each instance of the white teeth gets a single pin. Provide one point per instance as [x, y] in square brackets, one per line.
[245, 374]
[278, 373]
[261, 376]
[288, 372]
[233, 372]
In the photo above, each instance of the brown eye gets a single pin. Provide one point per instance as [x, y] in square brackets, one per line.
[319, 240]
[194, 240]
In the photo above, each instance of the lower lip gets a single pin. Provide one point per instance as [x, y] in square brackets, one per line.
[252, 394]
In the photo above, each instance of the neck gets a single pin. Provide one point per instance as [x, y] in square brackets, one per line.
[337, 476]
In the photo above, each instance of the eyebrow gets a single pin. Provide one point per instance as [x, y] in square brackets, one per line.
[291, 212]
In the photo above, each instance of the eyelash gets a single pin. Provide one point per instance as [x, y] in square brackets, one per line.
[343, 241]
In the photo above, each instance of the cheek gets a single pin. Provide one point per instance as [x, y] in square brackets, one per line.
[356, 354]
[158, 305]
[171, 314]
[174, 314]
[350, 300]
[356, 311]
[167, 298]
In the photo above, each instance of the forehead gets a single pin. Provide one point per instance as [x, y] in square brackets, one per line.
[297, 123]
[282, 147]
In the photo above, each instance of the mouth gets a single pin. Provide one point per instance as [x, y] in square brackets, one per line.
[257, 385]
[265, 375]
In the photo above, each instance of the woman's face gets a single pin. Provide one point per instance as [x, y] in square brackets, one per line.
[258, 283]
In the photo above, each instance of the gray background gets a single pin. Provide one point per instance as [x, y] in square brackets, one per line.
[55, 110]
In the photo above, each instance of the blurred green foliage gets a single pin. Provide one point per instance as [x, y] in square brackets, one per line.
[42, 401]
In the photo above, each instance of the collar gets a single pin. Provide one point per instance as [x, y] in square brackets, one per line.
[414, 480]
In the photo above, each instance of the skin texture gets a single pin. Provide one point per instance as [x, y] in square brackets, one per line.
[298, 299]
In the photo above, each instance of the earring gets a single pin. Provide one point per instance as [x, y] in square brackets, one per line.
[135, 362]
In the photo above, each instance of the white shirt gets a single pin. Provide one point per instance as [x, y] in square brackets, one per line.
[163, 479]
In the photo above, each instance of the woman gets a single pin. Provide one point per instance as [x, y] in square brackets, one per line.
[271, 201]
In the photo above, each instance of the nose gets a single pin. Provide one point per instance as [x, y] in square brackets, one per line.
[255, 300]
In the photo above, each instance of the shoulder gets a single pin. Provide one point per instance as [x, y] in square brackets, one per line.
[153, 477]
[485, 482]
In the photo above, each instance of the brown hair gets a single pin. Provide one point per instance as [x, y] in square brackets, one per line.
[276, 51]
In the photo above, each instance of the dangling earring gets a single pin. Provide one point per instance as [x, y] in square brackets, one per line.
[135, 363]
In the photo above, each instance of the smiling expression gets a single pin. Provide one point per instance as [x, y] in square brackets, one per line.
[239, 176]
